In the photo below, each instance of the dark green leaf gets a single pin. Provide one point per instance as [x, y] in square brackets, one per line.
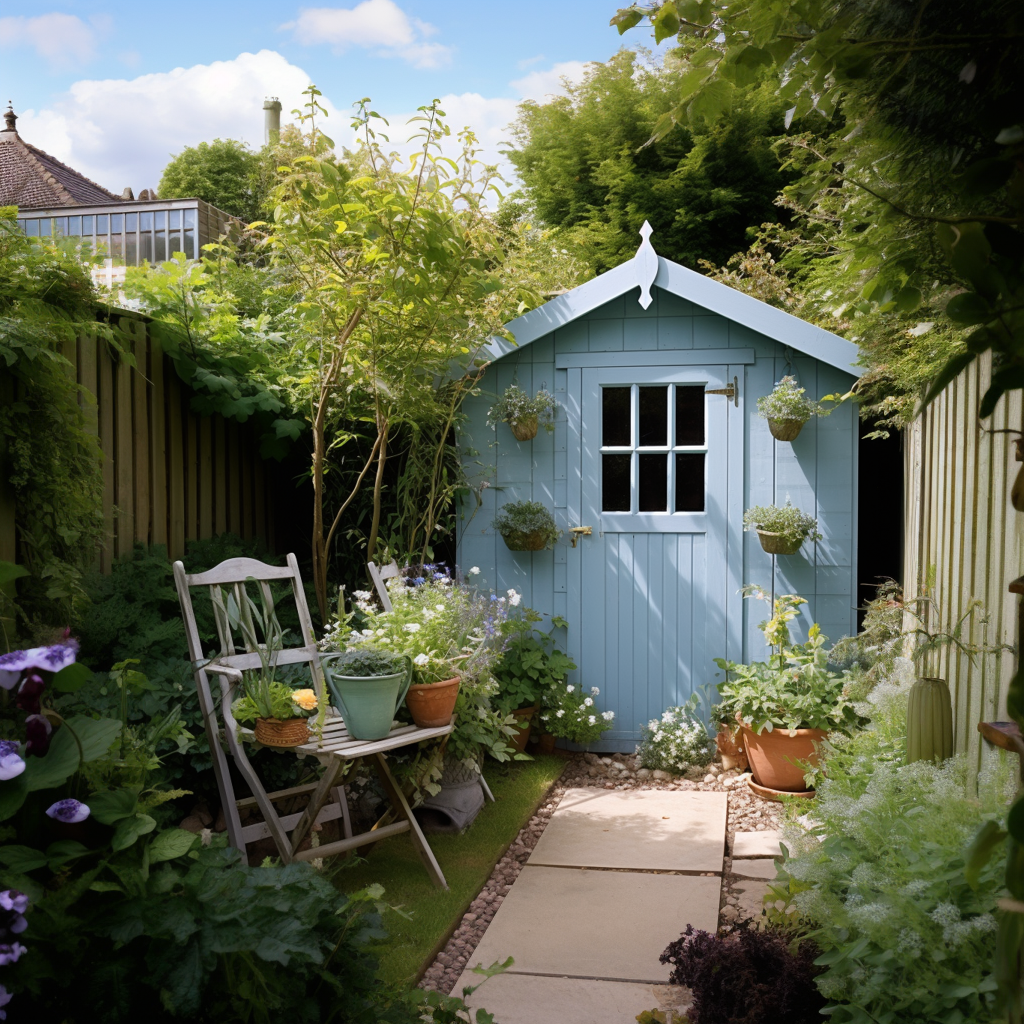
[1015, 821]
[72, 678]
[59, 764]
[989, 836]
[129, 830]
[626, 19]
[60, 853]
[112, 805]
[968, 308]
[96, 735]
[171, 843]
[12, 796]
[21, 858]
[9, 572]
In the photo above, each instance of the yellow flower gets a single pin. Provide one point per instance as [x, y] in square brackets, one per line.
[306, 699]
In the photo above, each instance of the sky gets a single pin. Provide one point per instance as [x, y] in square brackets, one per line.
[115, 88]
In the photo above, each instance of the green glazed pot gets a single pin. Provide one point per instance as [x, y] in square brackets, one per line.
[367, 703]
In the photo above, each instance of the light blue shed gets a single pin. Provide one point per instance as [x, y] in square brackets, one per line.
[650, 453]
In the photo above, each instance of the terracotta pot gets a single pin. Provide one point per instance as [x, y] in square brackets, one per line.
[778, 544]
[525, 430]
[773, 755]
[519, 541]
[546, 743]
[277, 732]
[786, 430]
[522, 716]
[431, 704]
[733, 755]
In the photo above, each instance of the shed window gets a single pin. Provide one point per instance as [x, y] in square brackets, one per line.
[653, 448]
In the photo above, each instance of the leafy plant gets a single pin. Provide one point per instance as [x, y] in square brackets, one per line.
[518, 520]
[795, 688]
[678, 740]
[531, 664]
[754, 977]
[787, 402]
[514, 406]
[786, 520]
[367, 660]
[568, 712]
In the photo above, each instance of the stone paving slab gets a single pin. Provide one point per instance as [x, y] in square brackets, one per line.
[565, 921]
[650, 830]
[756, 844]
[761, 868]
[532, 999]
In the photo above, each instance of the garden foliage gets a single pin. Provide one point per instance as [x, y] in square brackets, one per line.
[532, 664]
[677, 741]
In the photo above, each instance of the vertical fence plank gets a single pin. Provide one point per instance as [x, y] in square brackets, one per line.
[158, 414]
[124, 525]
[206, 477]
[141, 442]
[105, 400]
[8, 529]
[247, 489]
[191, 474]
[220, 484]
[175, 469]
[234, 478]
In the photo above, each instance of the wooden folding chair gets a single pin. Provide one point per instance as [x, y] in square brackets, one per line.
[380, 575]
[334, 748]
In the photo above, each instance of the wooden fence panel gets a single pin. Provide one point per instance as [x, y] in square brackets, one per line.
[960, 527]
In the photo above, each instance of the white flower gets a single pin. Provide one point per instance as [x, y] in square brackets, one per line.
[362, 595]
[592, 720]
[514, 597]
[595, 692]
[570, 688]
[588, 703]
[558, 713]
[475, 571]
[421, 660]
[412, 627]
[366, 632]
[381, 632]
[607, 715]
[439, 607]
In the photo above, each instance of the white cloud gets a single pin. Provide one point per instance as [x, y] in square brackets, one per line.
[122, 132]
[62, 39]
[373, 24]
[541, 85]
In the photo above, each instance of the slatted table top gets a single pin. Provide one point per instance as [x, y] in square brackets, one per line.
[337, 742]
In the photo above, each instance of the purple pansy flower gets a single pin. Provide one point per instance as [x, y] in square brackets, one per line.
[37, 735]
[11, 899]
[70, 811]
[49, 659]
[9, 952]
[11, 766]
[5, 998]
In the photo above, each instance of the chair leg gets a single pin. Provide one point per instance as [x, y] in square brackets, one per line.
[486, 788]
[341, 797]
[316, 801]
[401, 806]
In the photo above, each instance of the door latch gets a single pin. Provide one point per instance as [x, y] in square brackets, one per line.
[730, 391]
[580, 531]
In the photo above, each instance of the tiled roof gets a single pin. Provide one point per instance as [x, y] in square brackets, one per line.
[30, 178]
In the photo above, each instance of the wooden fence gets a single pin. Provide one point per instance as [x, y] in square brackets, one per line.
[961, 527]
[169, 476]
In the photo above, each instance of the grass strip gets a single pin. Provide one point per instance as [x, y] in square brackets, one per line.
[467, 860]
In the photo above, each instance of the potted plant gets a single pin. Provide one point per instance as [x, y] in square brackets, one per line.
[526, 526]
[786, 409]
[368, 684]
[531, 665]
[781, 529]
[787, 705]
[569, 712]
[522, 413]
[280, 713]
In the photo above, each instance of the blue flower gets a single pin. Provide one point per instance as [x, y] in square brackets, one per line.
[9, 952]
[419, 581]
[11, 762]
[11, 899]
[70, 811]
[5, 998]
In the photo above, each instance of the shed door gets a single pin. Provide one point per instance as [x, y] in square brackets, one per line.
[653, 591]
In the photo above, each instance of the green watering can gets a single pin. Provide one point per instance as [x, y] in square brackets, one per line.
[367, 703]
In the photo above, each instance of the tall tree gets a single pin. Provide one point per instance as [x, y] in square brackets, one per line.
[590, 173]
[225, 173]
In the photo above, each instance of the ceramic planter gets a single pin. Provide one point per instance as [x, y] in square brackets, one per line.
[431, 704]
[367, 703]
[786, 430]
[929, 721]
[518, 541]
[525, 429]
[733, 754]
[774, 755]
[522, 726]
[277, 732]
[778, 543]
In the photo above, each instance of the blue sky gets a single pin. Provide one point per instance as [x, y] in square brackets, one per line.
[114, 87]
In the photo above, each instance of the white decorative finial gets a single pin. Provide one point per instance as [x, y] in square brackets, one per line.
[646, 262]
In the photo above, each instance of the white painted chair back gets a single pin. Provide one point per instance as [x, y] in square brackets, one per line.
[380, 576]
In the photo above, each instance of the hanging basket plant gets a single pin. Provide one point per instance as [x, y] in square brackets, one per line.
[781, 529]
[526, 526]
[787, 409]
[523, 414]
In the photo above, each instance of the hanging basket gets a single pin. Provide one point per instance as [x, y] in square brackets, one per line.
[778, 543]
[525, 429]
[519, 541]
[277, 732]
[786, 430]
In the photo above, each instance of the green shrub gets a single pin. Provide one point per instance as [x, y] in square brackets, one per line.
[518, 519]
[878, 877]
[532, 663]
[676, 741]
[367, 661]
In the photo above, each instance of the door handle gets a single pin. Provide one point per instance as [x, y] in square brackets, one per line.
[580, 531]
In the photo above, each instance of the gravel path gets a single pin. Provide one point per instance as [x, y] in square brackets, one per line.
[740, 900]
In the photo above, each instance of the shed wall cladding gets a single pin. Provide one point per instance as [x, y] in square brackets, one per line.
[961, 527]
[817, 472]
[169, 476]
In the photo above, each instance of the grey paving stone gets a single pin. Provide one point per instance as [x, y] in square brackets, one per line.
[756, 844]
[760, 868]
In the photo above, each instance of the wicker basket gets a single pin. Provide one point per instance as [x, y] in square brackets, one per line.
[778, 543]
[526, 429]
[519, 541]
[277, 732]
[785, 430]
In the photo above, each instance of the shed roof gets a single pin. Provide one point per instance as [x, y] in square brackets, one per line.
[31, 179]
[647, 270]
